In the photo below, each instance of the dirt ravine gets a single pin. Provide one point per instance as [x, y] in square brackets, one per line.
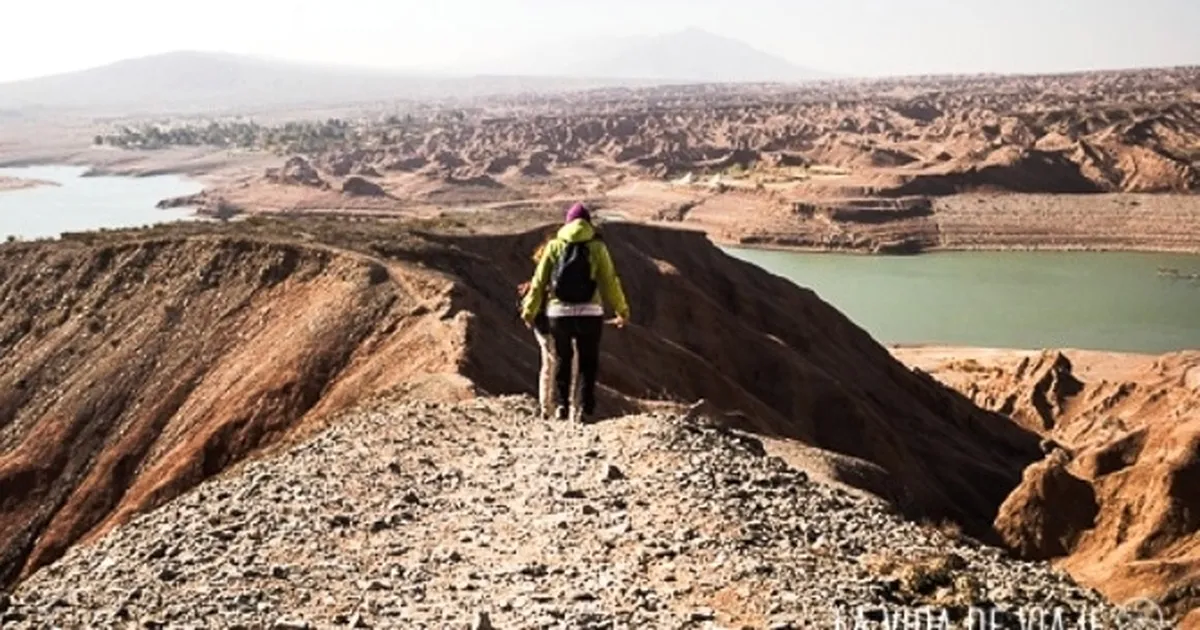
[1115, 500]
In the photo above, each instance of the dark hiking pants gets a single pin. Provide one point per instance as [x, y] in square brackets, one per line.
[585, 333]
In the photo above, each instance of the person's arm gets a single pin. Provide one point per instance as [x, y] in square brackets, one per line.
[610, 284]
[537, 286]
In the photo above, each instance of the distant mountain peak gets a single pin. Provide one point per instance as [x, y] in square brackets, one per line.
[690, 54]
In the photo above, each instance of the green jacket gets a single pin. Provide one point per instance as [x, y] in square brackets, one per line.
[608, 286]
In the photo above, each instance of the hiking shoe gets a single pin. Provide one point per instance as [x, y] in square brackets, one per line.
[562, 413]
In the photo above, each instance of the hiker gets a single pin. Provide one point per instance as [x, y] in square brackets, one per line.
[541, 332]
[573, 280]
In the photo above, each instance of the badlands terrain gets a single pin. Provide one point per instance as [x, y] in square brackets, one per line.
[1123, 432]
[314, 415]
[1084, 161]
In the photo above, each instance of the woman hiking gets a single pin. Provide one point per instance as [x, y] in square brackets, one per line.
[574, 278]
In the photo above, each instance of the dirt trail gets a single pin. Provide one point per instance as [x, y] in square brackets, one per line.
[429, 516]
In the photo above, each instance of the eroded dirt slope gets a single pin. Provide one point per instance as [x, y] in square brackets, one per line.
[138, 367]
[134, 365]
[1116, 500]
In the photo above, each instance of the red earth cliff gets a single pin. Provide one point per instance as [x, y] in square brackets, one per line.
[1117, 500]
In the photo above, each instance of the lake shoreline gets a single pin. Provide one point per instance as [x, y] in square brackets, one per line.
[967, 222]
[8, 184]
[208, 166]
[926, 356]
[942, 249]
[73, 202]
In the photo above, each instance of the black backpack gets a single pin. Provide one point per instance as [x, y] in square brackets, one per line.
[573, 283]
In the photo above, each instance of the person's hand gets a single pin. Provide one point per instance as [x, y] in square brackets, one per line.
[618, 321]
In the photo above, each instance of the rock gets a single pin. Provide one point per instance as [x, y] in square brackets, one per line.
[159, 551]
[290, 624]
[1049, 511]
[483, 621]
[612, 473]
[358, 187]
[297, 171]
[536, 570]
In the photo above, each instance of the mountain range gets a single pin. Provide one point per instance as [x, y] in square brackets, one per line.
[690, 55]
[194, 81]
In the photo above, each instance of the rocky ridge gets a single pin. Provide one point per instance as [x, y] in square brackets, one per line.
[480, 514]
[213, 342]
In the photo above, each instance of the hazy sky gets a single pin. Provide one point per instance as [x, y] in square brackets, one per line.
[855, 37]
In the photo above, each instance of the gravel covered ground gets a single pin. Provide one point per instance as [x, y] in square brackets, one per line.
[413, 515]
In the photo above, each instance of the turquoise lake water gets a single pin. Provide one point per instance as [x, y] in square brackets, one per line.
[1094, 300]
[86, 203]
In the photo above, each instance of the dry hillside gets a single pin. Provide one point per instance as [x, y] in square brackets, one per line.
[135, 365]
[1116, 502]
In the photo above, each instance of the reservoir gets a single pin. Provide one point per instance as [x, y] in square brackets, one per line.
[81, 203]
[1115, 301]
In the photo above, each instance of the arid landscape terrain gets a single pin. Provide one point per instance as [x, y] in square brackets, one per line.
[314, 411]
[1086, 161]
[1108, 502]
